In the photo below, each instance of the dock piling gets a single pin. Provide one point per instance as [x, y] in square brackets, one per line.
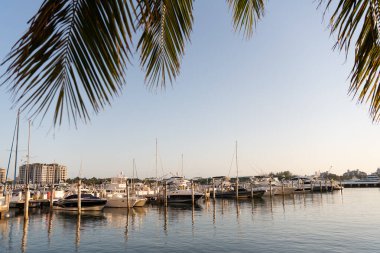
[166, 195]
[192, 193]
[51, 197]
[26, 204]
[213, 188]
[79, 197]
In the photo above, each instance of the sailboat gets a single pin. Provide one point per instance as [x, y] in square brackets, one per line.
[224, 188]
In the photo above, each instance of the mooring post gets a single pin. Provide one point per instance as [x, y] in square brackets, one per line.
[192, 193]
[166, 194]
[251, 190]
[303, 186]
[283, 188]
[270, 188]
[320, 185]
[213, 188]
[79, 197]
[26, 204]
[7, 199]
[51, 197]
[127, 189]
[237, 187]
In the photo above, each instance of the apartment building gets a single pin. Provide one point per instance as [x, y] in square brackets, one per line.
[2, 175]
[41, 173]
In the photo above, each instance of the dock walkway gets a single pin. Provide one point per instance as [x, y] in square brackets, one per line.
[360, 184]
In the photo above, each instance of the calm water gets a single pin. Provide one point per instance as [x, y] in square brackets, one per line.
[328, 222]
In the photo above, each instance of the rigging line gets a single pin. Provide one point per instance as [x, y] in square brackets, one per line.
[10, 156]
[17, 133]
[162, 165]
[232, 160]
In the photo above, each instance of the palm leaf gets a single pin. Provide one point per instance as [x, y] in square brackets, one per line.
[166, 27]
[365, 74]
[73, 56]
[246, 13]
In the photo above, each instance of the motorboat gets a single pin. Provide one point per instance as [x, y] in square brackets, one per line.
[179, 191]
[302, 184]
[121, 200]
[88, 203]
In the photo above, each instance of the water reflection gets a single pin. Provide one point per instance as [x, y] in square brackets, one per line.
[237, 204]
[247, 221]
[77, 234]
[24, 239]
[127, 225]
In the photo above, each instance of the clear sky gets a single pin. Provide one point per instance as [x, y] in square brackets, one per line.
[282, 95]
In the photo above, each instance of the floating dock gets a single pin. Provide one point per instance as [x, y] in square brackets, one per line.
[360, 184]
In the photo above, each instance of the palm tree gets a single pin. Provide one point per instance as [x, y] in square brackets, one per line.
[75, 53]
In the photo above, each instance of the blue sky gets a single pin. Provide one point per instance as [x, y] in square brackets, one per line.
[282, 95]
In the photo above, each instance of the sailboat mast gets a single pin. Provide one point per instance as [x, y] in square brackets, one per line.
[27, 160]
[182, 166]
[237, 172]
[133, 173]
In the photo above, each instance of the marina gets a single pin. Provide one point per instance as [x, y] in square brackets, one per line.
[329, 222]
[258, 146]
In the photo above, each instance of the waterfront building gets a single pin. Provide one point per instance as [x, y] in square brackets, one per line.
[40, 173]
[2, 175]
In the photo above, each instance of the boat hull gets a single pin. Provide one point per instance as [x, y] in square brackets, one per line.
[88, 208]
[183, 198]
[241, 194]
[123, 202]
[87, 204]
[140, 202]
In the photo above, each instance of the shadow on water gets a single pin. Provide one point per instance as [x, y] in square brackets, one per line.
[85, 217]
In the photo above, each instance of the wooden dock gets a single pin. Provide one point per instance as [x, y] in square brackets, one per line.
[39, 203]
[360, 184]
[4, 205]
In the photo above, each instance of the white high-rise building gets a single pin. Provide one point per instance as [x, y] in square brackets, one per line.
[40, 173]
[2, 175]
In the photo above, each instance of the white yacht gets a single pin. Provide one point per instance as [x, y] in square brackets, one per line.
[117, 194]
[268, 183]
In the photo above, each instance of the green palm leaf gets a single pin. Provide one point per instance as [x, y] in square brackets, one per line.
[246, 13]
[166, 27]
[73, 55]
[365, 74]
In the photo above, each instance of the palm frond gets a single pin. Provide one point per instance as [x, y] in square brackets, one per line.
[246, 13]
[365, 74]
[166, 27]
[73, 56]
